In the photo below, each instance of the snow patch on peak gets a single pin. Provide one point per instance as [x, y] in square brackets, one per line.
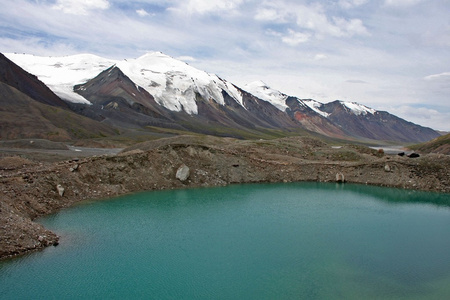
[161, 62]
[231, 90]
[315, 106]
[358, 109]
[258, 84]
[264, 92]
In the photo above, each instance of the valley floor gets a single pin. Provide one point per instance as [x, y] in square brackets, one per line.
[32, 186]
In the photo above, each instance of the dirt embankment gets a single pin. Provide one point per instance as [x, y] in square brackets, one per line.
[31, 189]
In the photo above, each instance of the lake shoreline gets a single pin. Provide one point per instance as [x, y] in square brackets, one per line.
[33, 190]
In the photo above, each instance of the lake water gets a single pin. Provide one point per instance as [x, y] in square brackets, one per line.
[260, 241]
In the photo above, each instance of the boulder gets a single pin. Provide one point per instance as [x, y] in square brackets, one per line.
[183, 173]
[60, 190]
[340, 177]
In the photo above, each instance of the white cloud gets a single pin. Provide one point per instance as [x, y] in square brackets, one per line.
[186, 58]
[80, 7]
[142, 12]
[357, 81]
[424, 116]
[438, 36]
[440, 76]
[269, 14]
[320, 56]
[35, 46]
[294, 38]
[351, 27]
[401, 2]
[315, 19]
[205, 6]
[312, 18]
[347, 4]
[120, 35]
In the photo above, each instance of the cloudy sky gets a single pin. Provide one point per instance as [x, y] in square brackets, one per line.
[390, 55]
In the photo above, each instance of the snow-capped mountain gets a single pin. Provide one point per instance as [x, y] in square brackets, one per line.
[363, 122]
[173, 83]
[315, 106]
[158, 90]
[264, 92]
[116, 97]
[60, 74]
[343, 119]
[358, 109]
[278, 99]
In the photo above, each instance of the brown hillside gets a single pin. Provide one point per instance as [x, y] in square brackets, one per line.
[23, 117]
[439, 145]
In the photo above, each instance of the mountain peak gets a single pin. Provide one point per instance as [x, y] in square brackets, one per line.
[358, 109]
[175, 84]
[264, 92]
[151, 56]
[160, 62]
[258, 83]
[315, 106]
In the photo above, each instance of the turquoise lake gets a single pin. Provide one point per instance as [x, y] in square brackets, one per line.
[255, 241]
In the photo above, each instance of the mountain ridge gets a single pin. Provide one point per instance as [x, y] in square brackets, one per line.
[172, 93]
[340, 118]
[112, 90]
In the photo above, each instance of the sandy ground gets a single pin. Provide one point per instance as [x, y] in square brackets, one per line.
[52, 155]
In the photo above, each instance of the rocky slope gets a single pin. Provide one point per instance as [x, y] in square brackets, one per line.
[31, 189]
[440, 145]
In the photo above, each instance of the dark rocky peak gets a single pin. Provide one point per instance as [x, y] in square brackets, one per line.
[112, 83]
[116, 97]
[333, 107]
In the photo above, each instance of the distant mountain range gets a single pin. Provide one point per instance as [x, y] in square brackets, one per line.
[159, 91]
